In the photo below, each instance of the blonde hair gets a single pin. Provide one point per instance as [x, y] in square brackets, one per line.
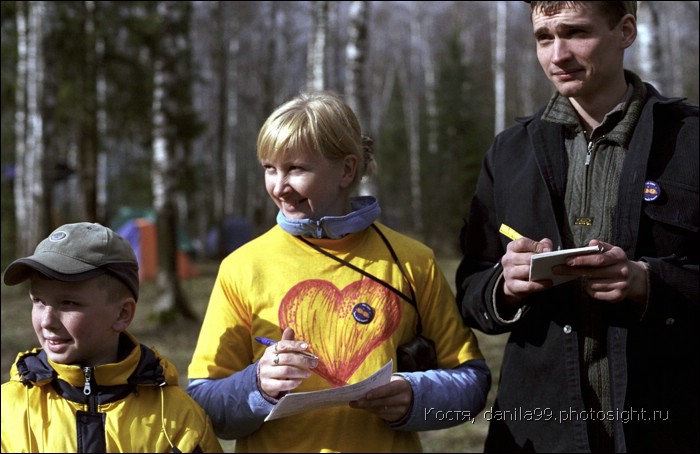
[318, 122]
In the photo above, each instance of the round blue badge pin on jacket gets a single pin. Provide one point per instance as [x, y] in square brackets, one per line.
[652, 191]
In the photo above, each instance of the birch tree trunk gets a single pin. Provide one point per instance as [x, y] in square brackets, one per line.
[315, 69]
[499, 66]
[101, 114]
[22, 206]
[651, 54]
[31, 182]
[355, 86]
[171, 301]
[355, 59]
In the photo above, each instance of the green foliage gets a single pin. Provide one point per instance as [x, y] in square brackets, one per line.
[393, 176]
[450, 174]
[129, 34]
[463, 132]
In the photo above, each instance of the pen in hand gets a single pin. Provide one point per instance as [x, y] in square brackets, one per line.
[270, 342]
[509, 232]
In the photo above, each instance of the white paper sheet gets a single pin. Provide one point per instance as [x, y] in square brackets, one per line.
[294, 403]
[541, 264]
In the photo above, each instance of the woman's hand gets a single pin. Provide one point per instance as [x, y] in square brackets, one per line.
[391, 402]
[282, 368]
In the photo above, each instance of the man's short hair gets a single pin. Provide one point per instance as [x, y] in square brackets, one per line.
[613, 11]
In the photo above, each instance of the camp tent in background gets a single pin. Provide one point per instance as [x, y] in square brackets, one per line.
[232, 233]
[143, 236]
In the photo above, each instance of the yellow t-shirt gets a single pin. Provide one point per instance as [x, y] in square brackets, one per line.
[352, 323]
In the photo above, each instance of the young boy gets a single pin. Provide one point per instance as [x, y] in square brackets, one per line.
[91, 386]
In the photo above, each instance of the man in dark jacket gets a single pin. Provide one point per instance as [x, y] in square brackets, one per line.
[608, 360]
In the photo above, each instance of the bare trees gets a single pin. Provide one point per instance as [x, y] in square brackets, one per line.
[316, 55]
[171, 57]
[356, 72]
[31, 180]
[420, 75]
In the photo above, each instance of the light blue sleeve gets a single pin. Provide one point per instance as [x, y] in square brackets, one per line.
[234, 404]
[445, 398]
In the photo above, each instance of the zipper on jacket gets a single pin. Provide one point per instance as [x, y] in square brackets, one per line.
[589, 151]
[585, 219]
[591, 146]
[87, 390]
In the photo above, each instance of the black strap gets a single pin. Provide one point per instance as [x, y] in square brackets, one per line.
[411, 300]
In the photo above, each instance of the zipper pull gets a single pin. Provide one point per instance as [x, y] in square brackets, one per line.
[588, 152]
[88, 375]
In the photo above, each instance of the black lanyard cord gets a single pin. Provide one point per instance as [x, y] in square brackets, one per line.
[411, 300]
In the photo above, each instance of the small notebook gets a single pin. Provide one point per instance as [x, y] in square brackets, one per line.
[541, 264]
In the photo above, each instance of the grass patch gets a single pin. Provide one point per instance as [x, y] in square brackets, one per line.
[176, 341]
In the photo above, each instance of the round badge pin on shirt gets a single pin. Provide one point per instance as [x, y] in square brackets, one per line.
[363, 313]
[652, 191]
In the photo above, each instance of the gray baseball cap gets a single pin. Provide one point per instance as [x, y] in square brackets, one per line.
[75, 252]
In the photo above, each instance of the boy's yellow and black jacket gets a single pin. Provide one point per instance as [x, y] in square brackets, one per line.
[134, 405]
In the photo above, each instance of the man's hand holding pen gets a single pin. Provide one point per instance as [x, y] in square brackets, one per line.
[516, 269]
[609, 276]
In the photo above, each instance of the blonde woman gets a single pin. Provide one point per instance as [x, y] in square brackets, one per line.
[339, 292]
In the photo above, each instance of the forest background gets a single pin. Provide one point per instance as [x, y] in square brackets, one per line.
[114, 109]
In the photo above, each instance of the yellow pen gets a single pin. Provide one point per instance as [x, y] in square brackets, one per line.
[509, 232]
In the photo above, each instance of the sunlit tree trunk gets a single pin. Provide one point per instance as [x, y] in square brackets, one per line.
[171, 300]
[315, 72]
[355, 86]
[499, 66]
[22, 213]
[651, 53]
[101, 114]
[30, 190]
[355, 59]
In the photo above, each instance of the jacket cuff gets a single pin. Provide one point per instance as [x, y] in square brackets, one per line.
[494, 304]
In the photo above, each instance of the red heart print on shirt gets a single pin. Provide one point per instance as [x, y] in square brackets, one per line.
[322, 315]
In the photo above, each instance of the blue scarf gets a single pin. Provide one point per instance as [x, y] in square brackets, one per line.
[365, 210]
